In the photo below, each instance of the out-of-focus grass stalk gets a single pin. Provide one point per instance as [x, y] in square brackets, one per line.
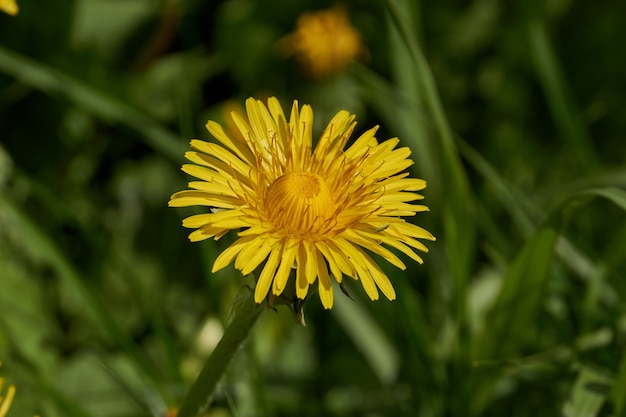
[369, 338]
[454, 197]
[618, 393]
[245, 313]
[101, 316]
[101, 105]
[457, 201]
[526, 214]
[521, 292]
[567, 117]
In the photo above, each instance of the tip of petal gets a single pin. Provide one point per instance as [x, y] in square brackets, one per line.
[326, 296]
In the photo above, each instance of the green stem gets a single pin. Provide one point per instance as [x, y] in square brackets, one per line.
[244, 314]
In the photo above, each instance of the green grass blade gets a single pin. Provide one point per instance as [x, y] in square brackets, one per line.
[368, 338]
[519, 295]
[46, 385]
[244, 314]
[610, 260]
[51, 254]
[614, 195]
[507, 194]
[526, 213]
[564, 112]
[588, 393]
[420, 347]
[456, 199]
[101, 105]
[618, 393]
[408, 111]
[522, 288]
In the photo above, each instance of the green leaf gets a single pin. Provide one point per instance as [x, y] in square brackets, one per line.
[588, 393]
[519, 296]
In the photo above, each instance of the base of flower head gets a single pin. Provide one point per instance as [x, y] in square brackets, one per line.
[288, 298]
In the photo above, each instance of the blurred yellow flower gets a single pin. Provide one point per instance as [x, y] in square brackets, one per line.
[5, 401]
[324, 42]
[10, 7]
[311, 209]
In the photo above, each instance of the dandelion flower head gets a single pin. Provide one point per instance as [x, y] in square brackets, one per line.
[9, 7]
[324, 42]
[317, 210]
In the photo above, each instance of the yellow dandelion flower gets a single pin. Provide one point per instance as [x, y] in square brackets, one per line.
[316, 210]
[324, 42]
[9, 7]
[5, 401]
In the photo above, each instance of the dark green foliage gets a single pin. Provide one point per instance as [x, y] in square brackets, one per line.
[513, 114]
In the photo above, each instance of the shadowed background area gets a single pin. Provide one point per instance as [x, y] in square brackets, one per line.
[515, 116]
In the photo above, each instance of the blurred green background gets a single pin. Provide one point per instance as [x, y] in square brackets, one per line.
[515, 115]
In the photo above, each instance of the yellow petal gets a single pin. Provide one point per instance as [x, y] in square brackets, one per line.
[381, 280]
[222, 154]
[290, 249]
[324, 287]
[218, 132]
[9, 7]
[409, 229]
[267, 275]
[302, 286]
[371, 242]
[229, 253]
[251, 257]
[5, 403]
[362, 145]
[311, 269]
[339, 258]
[334, 267]
[356, 258]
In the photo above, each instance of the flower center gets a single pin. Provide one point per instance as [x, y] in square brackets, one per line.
[299, 205]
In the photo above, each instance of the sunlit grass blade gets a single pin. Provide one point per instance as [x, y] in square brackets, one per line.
[455, 197]
[409, 110]
[588, 393]
[453, 200]
[98, 103]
